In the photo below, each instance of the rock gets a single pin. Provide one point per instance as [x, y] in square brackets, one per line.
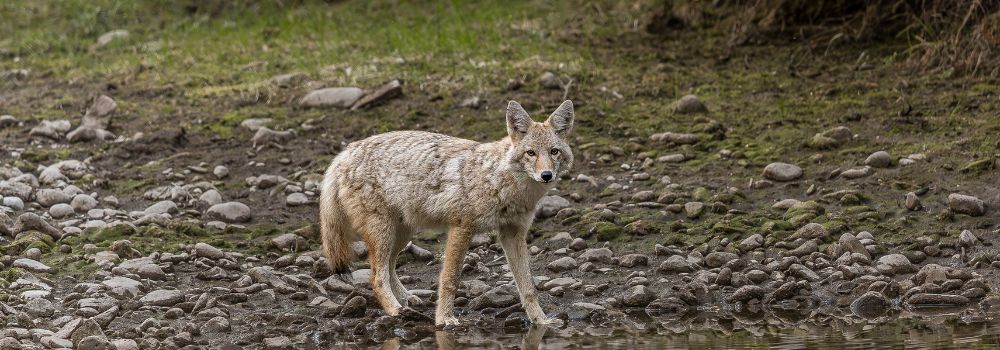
[30, 265]
[912, 202]
[215, 325]
[894, 264]
[548, 206]
[82, 134]
[49, 197]
[125, 344]
[676, 264]
[565, 263]
[210, 197]
[220, 171]
[717, 259]
[694, 209]
[340, 97]
[549, 80]
[206, 250]
[162, 297]
[806, 248]
[96, 116]
[277, 343]
[689, 104]
[60, 211]
[85, 329]
[82, 203]
[7, 121]
[746, 293]
[931, 299]
[13, 202]
[810, 231]
[871, 304]
[124, 285]
[676, 138]
[52, 129]
[493, 299]
[297, 199]
[162, 207]
[265, 136]
[753, 242]
[109, 37]
[354, 307]
[782, 172]
[597, 255]
[931, 273]
[289, 79]
[856, 173]
[671, 158]
[880, 159]
[968, 205]
[638, 296]
[384, 93]
[51, 175]
[230, 212]
[39, 307]
[633, 260]
[289, 241]
[966, 238]
[253, 124]
[267, 276]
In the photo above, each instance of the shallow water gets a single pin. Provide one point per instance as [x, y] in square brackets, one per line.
[909, 330]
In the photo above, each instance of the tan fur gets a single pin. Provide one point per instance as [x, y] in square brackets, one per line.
[384, 188]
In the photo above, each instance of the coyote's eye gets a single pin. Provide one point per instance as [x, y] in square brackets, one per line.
[530, 153]
[554, 151]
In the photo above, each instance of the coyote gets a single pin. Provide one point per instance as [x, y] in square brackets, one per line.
[384, 188]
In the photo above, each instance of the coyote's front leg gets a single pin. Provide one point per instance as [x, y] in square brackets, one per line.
[454, 255]
[515, 247]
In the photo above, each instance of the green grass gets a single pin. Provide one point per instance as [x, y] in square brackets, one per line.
[373, 41]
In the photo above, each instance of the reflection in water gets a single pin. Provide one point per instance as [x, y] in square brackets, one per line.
[796, 329]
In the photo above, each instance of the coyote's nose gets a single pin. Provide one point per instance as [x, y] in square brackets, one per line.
[546, 176]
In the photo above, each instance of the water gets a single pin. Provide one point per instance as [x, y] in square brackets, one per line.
[968, 329]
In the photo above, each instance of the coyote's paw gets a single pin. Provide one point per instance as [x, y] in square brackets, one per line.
[546, 321]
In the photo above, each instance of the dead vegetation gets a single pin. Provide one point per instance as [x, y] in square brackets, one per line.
[959, 36]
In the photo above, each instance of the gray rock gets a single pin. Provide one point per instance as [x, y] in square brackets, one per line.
[966, 238]
[230, 212]
[7, 121]
[894, 264]
[162, 297]
[30, 265]
[494, 299]
[638, 296]
[694, 209]
[51, 175]
[968, 205]
[932, 299]
[857, 173]
[206, 250]
[746, 293]
[676, 264]
[277, 343]
[931, 273]
[39, 307]
[565, 263]
[289, 79]
[341, 97]
[782, 172]
[210, 197]
[49, 197]
[880, 159]
[52, 129]
[871, 304]
[265, 136]
[717, 259]
[633, 260]
[753, 242]
[597, 255]
[810, 231]
[220, 171]
[14, 203]
[297, 199]
[473, 102]
[676, 138]
[216, 325]
[253, 124]
[86, 328]
[387, 91]
[671, 158]
[82, 203]
[60, 211]
[549, 80]
[289, 241]
[689, 104]
[912, 202]
[162, 207]
[548, 206]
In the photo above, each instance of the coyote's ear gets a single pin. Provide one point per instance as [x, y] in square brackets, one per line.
[518, 121]
[562, 119]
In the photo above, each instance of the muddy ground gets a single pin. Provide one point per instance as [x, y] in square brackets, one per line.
[179, 224]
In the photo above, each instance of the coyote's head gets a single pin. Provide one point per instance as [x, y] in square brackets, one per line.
[540, 149]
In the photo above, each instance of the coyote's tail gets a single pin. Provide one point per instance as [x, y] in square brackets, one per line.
[334, 228]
